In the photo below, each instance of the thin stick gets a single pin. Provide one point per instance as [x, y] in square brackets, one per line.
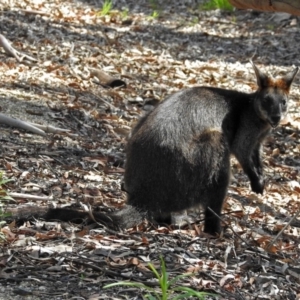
[20, 124]
[281, 231]
[8, 48]
[30, 197]
[227, 225]
[50, 129]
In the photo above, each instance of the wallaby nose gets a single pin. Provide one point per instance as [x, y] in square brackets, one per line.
[275, 119]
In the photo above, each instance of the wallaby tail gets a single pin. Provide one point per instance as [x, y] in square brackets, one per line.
[125, 218]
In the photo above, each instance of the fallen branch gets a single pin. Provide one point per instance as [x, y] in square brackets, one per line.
[8, 48]
[30, 197]
[13, 52]
[20, 124]
[50, 129]
[288, 6]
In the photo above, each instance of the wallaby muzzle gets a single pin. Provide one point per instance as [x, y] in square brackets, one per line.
[274, 120]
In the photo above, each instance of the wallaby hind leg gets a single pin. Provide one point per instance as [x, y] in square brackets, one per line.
[217, 195]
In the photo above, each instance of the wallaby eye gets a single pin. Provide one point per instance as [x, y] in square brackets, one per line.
[283, 102]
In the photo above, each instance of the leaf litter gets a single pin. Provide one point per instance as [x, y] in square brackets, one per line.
[79, 53]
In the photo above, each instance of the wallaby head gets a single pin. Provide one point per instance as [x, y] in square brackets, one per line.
[272, 95]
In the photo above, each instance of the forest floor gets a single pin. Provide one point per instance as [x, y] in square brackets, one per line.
[156, 48]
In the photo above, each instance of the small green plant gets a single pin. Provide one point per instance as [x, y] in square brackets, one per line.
[3, 197]
[233, 19]
[125, 13]
[156, 11]
[217, 4]
[195, 20]
[3, 192]
[82, 276]
[270, 27]
[155, 14]
[166, 286]
[106, 8]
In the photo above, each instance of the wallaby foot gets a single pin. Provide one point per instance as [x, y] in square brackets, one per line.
[258, 185]
[212, 222]
[163, 219]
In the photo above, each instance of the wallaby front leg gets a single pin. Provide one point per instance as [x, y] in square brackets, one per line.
[249, 158]
[257, 162]
[258, 182]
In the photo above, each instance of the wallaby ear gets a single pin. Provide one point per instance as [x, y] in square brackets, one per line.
[262, 78]
[289, 78]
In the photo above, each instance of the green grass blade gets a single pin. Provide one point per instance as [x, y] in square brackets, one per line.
[150, 297]
[175, 279]
[164, 275]
[137, 285]
[154, 271]
[189, 292]
[3, 181]
[133, 284]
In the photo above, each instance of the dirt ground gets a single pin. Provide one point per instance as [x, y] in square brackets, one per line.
[155, 48]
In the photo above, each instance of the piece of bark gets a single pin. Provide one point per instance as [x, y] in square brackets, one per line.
[20, 124]
[288, 6]
[107, 80]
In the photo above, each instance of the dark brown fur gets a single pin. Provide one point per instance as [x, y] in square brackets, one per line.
[178, 156]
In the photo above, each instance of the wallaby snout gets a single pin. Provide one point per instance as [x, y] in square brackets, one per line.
[276, 113]
[275, 120]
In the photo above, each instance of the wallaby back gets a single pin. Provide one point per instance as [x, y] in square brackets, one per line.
[178, 155]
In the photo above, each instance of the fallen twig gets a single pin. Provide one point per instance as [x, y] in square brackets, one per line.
[49, 128]
[29, 197]
[8, 48]
[282, 230]
[104, 101]
[13, 52]
[213, 212]
[20, 124]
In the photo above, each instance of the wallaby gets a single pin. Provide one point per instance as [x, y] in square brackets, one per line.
[178, 155]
